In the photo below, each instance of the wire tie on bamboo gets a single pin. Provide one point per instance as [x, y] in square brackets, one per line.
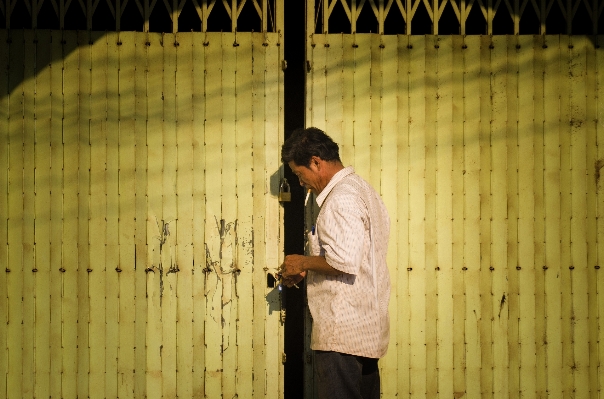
[597, 267]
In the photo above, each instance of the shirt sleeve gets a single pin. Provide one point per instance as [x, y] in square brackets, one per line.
[341, 234]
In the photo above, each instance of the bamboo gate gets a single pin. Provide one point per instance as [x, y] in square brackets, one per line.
[141, 221]
[488, 153]
[140, 215]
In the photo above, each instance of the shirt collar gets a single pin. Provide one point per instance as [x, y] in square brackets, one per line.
[335, 179]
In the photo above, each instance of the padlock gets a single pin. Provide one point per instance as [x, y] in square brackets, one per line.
[285, 194]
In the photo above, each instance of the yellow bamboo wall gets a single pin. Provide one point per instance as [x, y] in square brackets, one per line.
[487, 151]
[139, 215]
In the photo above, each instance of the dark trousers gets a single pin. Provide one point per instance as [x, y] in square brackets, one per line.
[342, 376]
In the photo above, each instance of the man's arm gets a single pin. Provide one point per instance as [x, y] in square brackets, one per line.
[294, 268]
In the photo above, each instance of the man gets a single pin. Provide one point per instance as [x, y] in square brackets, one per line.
[347, 279]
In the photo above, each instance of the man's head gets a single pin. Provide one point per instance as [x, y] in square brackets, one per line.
[313, 156]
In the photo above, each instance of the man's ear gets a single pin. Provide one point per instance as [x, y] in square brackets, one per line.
[316, 161]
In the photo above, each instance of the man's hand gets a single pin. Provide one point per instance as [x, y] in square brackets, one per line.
[292, 270]
[292, 265]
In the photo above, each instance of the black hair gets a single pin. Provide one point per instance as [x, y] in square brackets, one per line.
[303, 144]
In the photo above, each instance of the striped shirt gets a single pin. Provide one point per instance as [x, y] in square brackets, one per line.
[350, 311]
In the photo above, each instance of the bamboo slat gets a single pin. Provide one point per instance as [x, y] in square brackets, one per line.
[333, 87]
[4, 91]
[600, 207]
[430, 213]
[56, 210]
[400, 291]
[228, 230]
[127, 215]
[417, 213]
[70, 160]
[527, 164]
[552, 201]
[473, 214]
[169, 222]
[244, 256]
[375, 96]
[444, 215]
[388, 188]
[28, 240]
[458, 311]
[155, 228]
[168, 300]
[362, 105]
[513, 177]
[499, 214]
[214, 221]
[578, 214]
[42, 218]
[199, 249]
[591, 149]
[539, 226]
[402, 226]
[274, 231]
[184, 232]
[260, 199]
[14, 262]
[140, 185]
[98, 210]
[486, 226]
[84, 82]
[318, 87]
[347, 139]
[112, 238]
[566, 211]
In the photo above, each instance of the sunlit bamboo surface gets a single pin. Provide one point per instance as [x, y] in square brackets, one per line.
[487, 151]
[139, 214]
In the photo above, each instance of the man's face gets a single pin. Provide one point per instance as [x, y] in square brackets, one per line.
[309, 176]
